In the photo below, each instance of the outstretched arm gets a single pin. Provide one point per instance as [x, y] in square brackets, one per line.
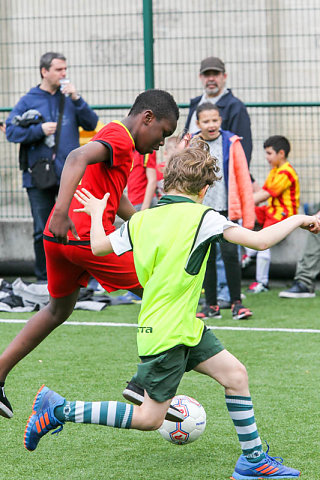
[73, 171]
[269, 236]
[92, 206]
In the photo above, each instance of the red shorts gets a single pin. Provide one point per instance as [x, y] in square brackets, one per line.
[264, 218]
[71, 266]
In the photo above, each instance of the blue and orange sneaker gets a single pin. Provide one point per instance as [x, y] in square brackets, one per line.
[269, 467]
[42, 418]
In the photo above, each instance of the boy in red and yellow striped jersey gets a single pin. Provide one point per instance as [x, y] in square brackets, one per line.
[281, 190]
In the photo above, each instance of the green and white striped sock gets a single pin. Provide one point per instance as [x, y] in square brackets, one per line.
[242, 415]
[112, 414]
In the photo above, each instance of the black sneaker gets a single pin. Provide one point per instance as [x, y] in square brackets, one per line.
[5, 407]
[209, 311]
[135, 394]
[239, 312]
[298, 290]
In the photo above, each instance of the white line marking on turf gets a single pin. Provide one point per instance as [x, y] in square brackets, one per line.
[213, 327]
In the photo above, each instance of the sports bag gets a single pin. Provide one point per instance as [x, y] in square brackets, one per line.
[43, 173]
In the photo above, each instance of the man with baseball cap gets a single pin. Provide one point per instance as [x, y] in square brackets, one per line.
[234, 114]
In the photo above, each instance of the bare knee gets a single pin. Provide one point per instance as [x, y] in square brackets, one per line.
[145, 420]
[56, 314]
[61, 308]
[152, 425]
[237, 382]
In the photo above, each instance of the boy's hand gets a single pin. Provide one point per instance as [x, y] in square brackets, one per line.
[184, 142]
[59, 226]
[90, 203]
[311, 223]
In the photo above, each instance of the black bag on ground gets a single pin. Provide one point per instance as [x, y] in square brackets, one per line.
[43, 174]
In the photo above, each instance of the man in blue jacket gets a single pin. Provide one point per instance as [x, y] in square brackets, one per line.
[234, 114]
[37, 137]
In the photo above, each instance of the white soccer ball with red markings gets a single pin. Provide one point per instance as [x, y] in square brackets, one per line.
[193, 425]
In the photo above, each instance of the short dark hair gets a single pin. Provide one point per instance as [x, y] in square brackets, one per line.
[206, 106]
[46, 60]
[161, 103]
[278, 142]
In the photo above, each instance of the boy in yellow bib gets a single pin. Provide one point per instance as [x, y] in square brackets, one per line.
[170, 246]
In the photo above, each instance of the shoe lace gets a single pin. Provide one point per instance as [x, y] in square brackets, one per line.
[273, 460]
[58, 430]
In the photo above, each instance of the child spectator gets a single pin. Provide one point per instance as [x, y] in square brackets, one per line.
[168, 150]
[282, 192]
[170, 245]
[142, 181]
[232, 197]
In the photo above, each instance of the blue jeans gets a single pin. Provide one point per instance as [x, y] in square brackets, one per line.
[41, 203]
[222, 285]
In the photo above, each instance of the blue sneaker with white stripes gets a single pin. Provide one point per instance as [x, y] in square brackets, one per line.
[268, 467]
[42, 419]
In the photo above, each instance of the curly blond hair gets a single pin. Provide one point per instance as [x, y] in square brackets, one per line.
[191, 169]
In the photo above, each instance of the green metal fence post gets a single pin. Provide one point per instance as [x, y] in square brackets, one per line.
[148, 44]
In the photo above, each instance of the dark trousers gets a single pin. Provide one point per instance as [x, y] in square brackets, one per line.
[41, 202]
[230, 257]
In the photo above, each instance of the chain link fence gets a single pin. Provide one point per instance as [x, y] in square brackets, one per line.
[270, 48]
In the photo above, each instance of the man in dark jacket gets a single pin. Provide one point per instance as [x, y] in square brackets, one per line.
[38, 138]
[234, 114]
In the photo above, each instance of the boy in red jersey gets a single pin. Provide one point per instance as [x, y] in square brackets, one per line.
[282, 192]
[101, 166]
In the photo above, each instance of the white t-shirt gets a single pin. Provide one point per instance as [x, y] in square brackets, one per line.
[216, 196]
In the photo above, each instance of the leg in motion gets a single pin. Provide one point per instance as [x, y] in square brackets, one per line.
[253, 463]
[50, 411]
[36, 329]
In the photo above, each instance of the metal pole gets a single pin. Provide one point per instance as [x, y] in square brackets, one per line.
[148, 44]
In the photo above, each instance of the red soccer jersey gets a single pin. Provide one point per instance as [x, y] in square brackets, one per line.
[102, 177]
[137, 181]
[283, 185]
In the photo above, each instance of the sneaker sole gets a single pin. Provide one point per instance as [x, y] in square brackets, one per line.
[242, 316]
[296, 295]
[137, 399]
[238, 476]
[256, 292]
[5, 411]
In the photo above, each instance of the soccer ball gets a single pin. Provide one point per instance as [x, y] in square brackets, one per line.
[192, 426]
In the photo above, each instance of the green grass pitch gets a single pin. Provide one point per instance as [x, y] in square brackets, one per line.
[93, 363]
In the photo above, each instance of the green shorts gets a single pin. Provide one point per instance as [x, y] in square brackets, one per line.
[161, 374]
